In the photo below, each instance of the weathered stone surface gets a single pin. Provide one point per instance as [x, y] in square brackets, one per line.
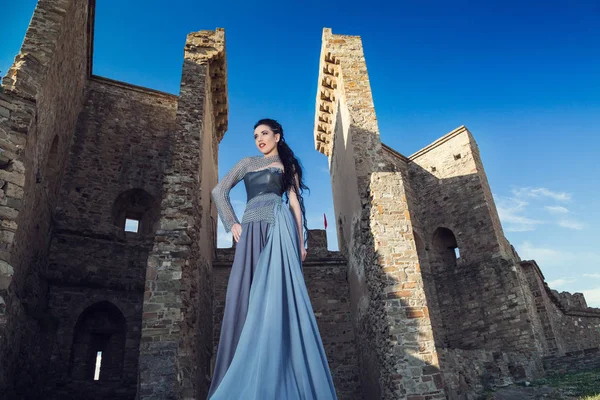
[178, 290]
[568, 325]
[44, 90]
[436, 289]
[426, 300]
[6, 273]
[375, 231]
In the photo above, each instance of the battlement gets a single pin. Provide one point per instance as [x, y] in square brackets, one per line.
[108, 227]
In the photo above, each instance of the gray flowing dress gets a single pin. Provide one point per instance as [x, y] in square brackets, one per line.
[270, 346]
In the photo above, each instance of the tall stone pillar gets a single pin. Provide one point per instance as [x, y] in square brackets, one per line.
[177, 315]
[390, 313]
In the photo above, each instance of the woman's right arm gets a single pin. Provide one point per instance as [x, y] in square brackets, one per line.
[220, 194]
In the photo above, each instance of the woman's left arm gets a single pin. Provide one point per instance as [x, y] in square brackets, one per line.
[297, 211]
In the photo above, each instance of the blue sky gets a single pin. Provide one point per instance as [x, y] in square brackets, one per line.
[522, 76]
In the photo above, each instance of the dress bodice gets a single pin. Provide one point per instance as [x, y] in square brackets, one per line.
[264, 187]
[263, 182]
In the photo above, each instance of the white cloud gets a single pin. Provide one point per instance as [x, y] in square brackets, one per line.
[510, 211]
[549, 257]
[543, 256]
[556, 283]
[224, 239]
[521, 211]
[557, 209]
[592, 297]
[541, 192]
[571, 224]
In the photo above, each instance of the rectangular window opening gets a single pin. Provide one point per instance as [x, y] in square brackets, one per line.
[132, 225]
[457, 252]
[98, 363]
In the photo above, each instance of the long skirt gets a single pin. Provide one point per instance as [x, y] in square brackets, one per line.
[270, 347]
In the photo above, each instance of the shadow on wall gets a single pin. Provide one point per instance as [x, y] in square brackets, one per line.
[436, 312]
[486, 328]
[390, 315]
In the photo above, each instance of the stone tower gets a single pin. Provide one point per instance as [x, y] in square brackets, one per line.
[442, 305]
[108, 230]
[108, 233]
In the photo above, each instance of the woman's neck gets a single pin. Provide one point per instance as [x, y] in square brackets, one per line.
[275, 154]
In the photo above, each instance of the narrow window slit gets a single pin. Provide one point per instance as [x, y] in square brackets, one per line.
[98, 364]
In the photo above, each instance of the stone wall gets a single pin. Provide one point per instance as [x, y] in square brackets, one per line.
[177, 312]
[580, 360]
[400, 163]
[469, 373]
[325, 275]
[115, 169]
[466, 253]
[64, 379]
[43, 95]
[569, 326]
[390, 312]
[347, 202]
[117, 160]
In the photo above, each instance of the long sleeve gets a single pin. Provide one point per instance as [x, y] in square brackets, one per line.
[220, 194]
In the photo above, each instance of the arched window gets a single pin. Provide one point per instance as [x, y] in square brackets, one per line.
[445, 248]
[135, 211]
[98, 343]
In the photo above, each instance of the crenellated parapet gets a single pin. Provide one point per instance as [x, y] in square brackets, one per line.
[209, 47]
[329, 72]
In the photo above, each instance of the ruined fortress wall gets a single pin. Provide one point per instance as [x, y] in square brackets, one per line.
[115, 169]
[325, 277]
[122, 142]
[343, 180]
[400, 164]
[575, 330]
[390, 313]
[177, 312]
[467, 373]
[43, 94]
[448, 183]
[64, 379]
[197, 289]
[568, 326]
[455, 212]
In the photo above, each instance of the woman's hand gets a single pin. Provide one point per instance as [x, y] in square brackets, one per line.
[236, 229]
[303, 253]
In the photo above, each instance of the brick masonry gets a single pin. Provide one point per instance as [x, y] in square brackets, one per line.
[461, 312]
[116, 165]
[398, 358]
[177, 315]
[43, 93]
[569, 325]
[425, 300]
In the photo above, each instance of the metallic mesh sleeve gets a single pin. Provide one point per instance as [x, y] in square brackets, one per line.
[220, 194]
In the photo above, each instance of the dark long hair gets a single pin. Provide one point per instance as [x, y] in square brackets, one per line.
[291, 166]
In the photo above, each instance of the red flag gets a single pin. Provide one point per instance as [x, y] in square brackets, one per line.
[325, 220]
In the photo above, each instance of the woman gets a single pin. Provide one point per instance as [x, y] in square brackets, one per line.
[270, 347]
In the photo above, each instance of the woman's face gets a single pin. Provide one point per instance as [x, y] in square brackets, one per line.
[266, 140]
